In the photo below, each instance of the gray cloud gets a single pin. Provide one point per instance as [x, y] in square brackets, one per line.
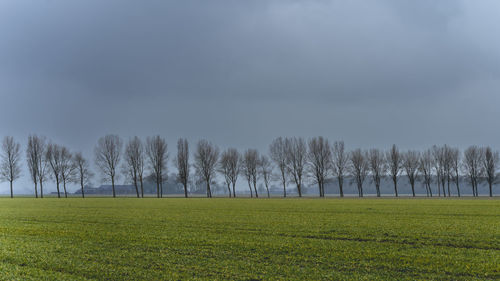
[243, 72]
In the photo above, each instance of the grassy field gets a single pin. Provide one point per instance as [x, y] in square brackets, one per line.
[244, 239]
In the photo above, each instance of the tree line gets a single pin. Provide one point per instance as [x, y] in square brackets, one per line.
[289, 161]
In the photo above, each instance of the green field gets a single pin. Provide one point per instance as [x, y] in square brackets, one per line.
[245, 239]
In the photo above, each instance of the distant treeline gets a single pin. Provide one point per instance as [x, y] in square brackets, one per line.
[289, 161]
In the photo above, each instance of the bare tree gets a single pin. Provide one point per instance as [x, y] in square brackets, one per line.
[107, 157]
[134, 163]
[296, 160]
[206, 158]
[266, 171]
[32, 155]
[411, 161]
[54, 158]
[83, 173]
[472, 162]
[229, 166]
[455, 159]
[11, 155]
[426, 164]
[182, 164]
[490, 166]
[440, 168]
[340, 164]
[319, 159]
[359, 168]
[377, 167]
[68, 171]
[37, 164]
[277, 151]
[394, 165]
[250, 162]
[156, 149]
[447, 166]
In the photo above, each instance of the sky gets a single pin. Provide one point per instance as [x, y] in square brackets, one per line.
[240, 73]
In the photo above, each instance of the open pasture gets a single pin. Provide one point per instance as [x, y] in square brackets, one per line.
[245, 239]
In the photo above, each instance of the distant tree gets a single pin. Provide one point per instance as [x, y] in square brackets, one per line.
[37, 164]
[83, 172]
[359, 168]
[229, 167]
[447, 166]
[182, 164]
[439, 156]
[377, 167]
[10, 169]
[472, 163]
[394, 165]
[277, 151]
[490, 166]
[340, 163]
[266, 170]
[455, 159]
[53, 154]
[206, 158]
[156, 149]
[425, 167]
[68, 170]
[319, 159]
[134, 163]
[250, 162]
[32, 155]
[107, 157]
[411, 161]
[296, 160]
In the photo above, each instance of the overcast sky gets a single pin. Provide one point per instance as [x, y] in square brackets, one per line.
[240, 73]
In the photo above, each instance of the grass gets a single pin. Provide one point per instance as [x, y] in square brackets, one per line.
[245, 239]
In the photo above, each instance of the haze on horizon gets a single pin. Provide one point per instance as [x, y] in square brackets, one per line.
[240, 73]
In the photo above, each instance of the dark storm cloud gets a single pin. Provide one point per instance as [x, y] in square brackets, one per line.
[242, 72]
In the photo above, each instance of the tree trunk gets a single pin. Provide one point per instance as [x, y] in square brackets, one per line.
[491, 189]
[81, 184]
[413, 188]
[64, 186]
[449, 193]
[142, 189]
[113, 185]
[341, 187]
[186, 190]
[41, 189]
[136, 187]
[161, 188]
[234, 190]
[284, 185]
[229, 189]
[267, 188]
[36, 190]
[255, 188]
[250, 187]
[395, 181]
[157, 188]
[57, 185]
[299, 189]
[11, 190]
[209, 192]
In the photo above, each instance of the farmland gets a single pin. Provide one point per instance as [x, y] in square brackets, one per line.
[245, 239]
